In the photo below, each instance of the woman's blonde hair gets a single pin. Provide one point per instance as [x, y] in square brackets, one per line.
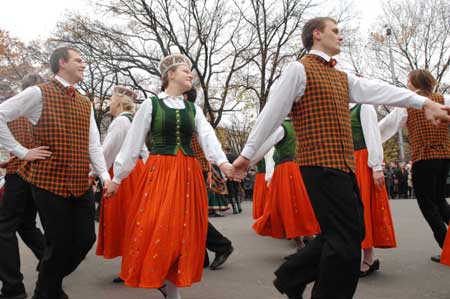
[127, 98]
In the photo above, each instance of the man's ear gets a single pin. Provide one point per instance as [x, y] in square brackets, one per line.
[317, 34]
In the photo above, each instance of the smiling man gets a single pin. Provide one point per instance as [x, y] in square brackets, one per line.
[66, 138]
[317, 96]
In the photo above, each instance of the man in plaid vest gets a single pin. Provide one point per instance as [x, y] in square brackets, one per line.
[18, 212]
[66, 139]
[317, 96]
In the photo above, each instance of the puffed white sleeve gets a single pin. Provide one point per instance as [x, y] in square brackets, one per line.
[132, 146]
[372, 137]
[392, 122]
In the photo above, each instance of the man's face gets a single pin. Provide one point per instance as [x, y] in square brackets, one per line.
[73, 68]
[329, 40]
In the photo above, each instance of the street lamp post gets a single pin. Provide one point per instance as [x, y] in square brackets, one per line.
[394, 81]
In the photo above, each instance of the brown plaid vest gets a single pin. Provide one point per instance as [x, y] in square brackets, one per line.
[64, 127]
[322, 119]
[21, 129]
[199, 154]
[427, 140]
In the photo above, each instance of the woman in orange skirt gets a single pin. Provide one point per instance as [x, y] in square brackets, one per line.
[168, 232]
[114, 210]
[288, 212]
[445, 256]
[259, 189]
[369, 174]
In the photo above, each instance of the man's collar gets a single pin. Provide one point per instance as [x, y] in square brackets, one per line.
[321, 54]
[64, 82]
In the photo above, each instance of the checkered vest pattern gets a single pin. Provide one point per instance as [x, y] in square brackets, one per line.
[427, 140]
[322, 119]
[21, 129]
[64, 127]
[199, 154]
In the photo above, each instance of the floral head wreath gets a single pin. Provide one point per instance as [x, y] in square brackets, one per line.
[172, 60]
[124, 91]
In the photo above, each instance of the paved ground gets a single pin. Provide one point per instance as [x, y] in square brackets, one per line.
[406, 272]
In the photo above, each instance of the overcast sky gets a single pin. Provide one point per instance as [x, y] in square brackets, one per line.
[28, 20]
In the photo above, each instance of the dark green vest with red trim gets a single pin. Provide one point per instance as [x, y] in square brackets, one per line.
[286, 149]
[172, 129]
[357, 132]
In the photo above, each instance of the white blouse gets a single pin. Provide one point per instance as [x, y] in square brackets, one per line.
[129, 153]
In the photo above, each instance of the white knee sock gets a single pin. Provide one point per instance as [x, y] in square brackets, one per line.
[172, 290]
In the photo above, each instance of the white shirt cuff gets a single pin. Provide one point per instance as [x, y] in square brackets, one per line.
[105, 177]
[221, 161]
[116, 180]
[417, 102]
[248, 153]
[377, 168]
[19, 151]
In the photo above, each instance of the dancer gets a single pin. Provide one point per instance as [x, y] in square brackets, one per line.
[368, 148]
[288, 212]
[318, 96]
[430, 154]
[67, 138]
[169, 232]
[18, 211]
[114, 210]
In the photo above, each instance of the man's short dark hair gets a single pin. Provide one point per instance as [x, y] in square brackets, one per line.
[57, 55]
[31, 80]
[309, 27]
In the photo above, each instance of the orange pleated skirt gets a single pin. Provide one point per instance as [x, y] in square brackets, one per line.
[445, 256]
[166, 236]
[288, 212]
[259, 195]
[113, 215]
[377, 213]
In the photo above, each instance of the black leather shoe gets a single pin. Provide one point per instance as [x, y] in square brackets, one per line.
[372, 268]
[220, 259]
[21, 295]
[436, 258]
[117, 280]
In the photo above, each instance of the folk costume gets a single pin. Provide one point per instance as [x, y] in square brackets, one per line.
[114, 210]
[288, 212]
[17, 215]
[430, 155]
[317, 95]
[63, 120]
[445, 256]
[369, 157]
[167, 240]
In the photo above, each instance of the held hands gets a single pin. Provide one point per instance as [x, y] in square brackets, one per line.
[38, 153]
[436, 113]
[241, 164]
[110, 188]
[378, 178]
[231, 173]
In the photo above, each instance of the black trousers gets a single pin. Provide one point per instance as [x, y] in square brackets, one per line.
[17, 215]
[69, 234]
[332, 259]
[215, 242]
[429, 180]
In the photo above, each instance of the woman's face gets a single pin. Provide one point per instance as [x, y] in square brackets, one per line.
[114, 105]
[182, 77]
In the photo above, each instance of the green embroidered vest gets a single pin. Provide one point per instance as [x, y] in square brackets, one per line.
[357, 132]
[172, 129]
[286, 149]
